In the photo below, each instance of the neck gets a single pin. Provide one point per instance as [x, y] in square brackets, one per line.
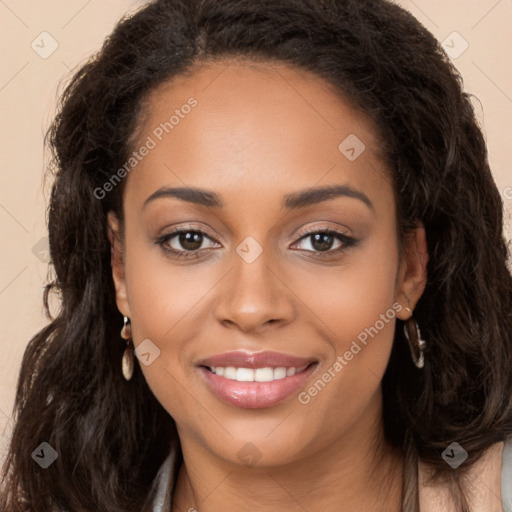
[358, 471]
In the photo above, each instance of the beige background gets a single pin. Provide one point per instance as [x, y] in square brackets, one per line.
[29, 86]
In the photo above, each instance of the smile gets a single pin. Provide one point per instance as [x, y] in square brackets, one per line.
[255, 380]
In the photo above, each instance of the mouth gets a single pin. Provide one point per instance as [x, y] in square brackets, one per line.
[256, 380]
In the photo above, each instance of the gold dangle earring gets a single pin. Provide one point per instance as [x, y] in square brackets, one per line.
[127, 361]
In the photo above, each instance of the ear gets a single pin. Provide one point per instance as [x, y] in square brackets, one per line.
[117, 263]
[412, 272]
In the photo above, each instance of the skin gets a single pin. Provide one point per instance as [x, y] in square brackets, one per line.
[258, 132]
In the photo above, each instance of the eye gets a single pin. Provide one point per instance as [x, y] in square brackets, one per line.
[183, 242]
[321, 241]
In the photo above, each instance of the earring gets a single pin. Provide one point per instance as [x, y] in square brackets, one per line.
[416, 344]
[127, 361]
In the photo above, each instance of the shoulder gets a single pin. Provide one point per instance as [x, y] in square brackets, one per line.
[489, 482]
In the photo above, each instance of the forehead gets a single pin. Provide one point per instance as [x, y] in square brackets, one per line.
[243, 125]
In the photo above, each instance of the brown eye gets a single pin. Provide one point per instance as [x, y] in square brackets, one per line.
[190, 240]
[322, 241]
[186, 243]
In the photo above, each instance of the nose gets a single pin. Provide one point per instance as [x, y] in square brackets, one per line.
[254, 296]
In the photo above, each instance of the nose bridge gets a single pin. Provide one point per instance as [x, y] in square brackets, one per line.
[253, 294]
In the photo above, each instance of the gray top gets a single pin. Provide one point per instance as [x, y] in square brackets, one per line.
[168, 469]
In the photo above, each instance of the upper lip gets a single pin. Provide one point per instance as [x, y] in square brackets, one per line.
[267, 359]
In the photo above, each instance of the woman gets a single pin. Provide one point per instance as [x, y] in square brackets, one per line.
[287, 210]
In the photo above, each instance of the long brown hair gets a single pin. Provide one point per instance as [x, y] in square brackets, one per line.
[112, 435]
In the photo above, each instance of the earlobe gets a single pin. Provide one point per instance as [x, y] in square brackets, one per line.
[117, 263]
[412, 277]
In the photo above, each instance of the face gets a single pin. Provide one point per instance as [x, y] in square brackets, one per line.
[233, 268]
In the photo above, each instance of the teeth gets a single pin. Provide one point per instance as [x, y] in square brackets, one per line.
[230, 373]
[255, 375]
[280, 373]
[263, 374]
[245, 375]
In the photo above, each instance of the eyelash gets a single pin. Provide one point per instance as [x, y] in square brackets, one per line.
[347, 242]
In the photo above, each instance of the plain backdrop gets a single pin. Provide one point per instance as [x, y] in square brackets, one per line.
[42, 42]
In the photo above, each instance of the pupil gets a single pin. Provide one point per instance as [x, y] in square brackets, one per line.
[191, 240]
[322, 242]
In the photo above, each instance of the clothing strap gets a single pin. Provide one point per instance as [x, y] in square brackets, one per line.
[506, 477]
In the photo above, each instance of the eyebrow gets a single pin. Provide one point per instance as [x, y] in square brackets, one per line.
[291, 201]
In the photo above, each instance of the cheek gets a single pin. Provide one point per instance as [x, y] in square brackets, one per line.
[163, 295]
[350, 298]
[164, 310]
[354, 304]
[167, 302]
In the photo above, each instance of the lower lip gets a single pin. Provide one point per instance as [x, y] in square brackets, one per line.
[255, 395]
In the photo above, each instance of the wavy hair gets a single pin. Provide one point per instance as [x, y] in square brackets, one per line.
[112, 435]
